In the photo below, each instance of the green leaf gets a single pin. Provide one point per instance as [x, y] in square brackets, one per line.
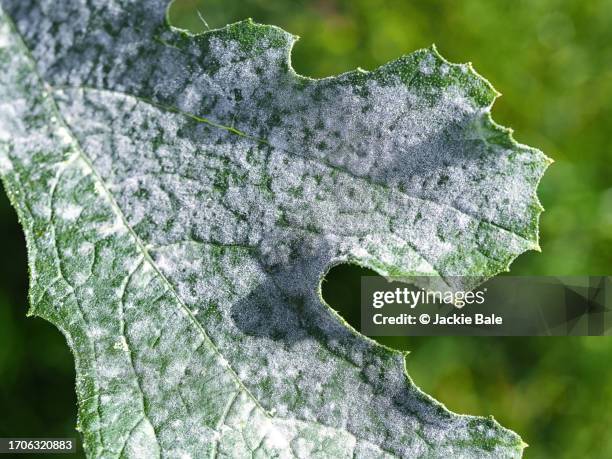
[182, 197]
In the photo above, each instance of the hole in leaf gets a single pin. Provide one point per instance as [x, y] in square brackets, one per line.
[341, 289]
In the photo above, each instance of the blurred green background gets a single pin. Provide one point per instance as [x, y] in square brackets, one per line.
[552, 60]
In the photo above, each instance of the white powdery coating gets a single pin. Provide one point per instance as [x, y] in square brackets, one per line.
[192, 305]
[5, 34]
[142, 444]
[69, 212]
[5, 164]
[204, 271]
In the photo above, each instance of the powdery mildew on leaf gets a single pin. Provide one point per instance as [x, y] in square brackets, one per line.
[182, 196]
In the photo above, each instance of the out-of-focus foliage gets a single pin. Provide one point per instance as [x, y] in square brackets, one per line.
[552, 60]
